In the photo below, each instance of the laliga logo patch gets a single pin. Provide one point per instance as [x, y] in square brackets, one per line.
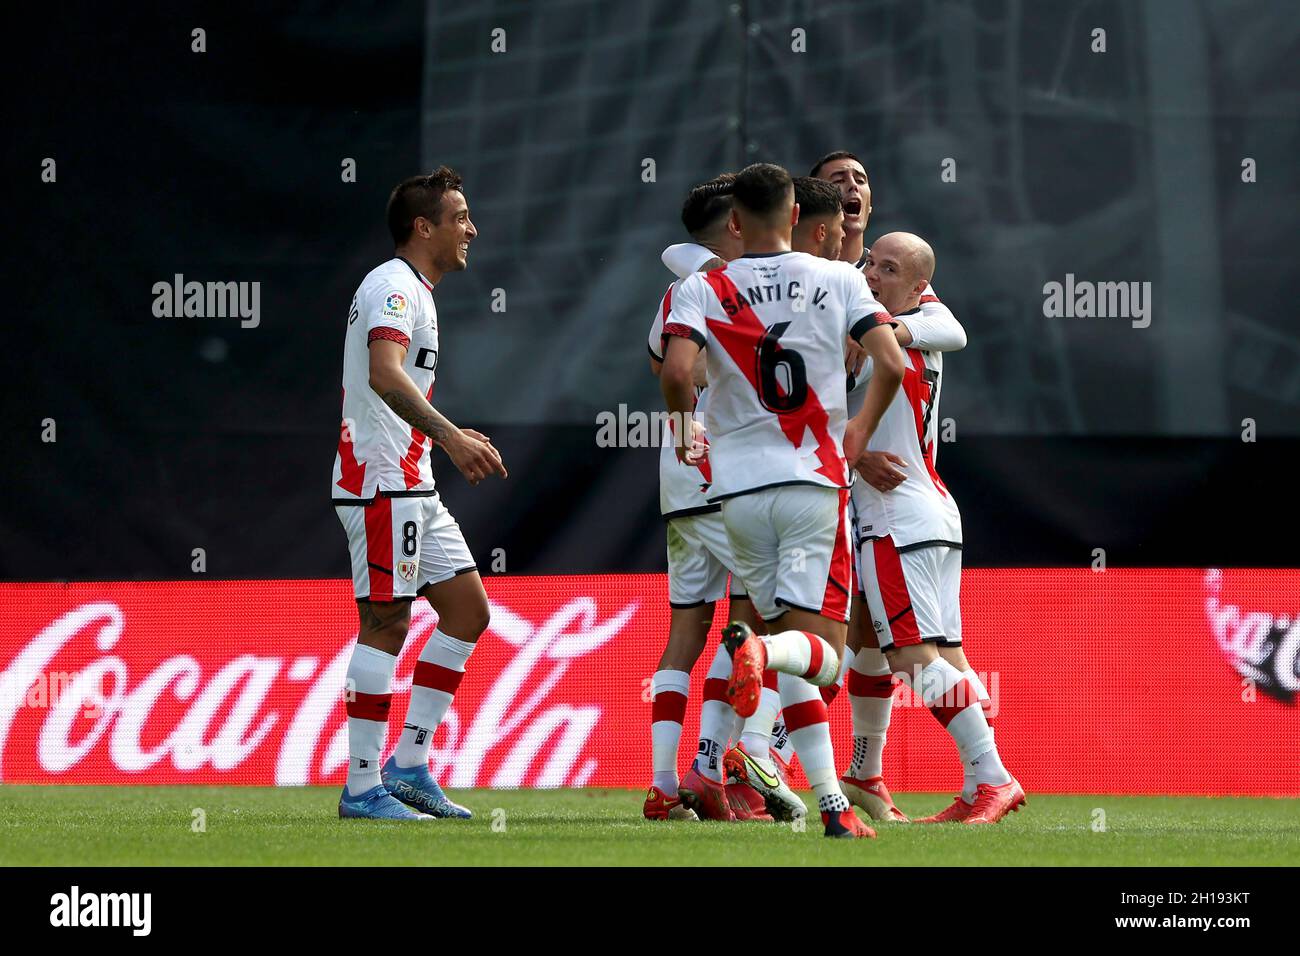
[396, 302]
[406, 569]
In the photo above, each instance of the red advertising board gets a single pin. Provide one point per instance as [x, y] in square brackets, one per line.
[1122, 681]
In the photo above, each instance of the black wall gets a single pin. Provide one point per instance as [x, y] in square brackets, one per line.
[175, 434]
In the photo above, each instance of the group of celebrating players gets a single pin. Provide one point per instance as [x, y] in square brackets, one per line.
[802, 373]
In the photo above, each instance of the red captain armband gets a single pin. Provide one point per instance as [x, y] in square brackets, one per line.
[392, 335]
[682, 330]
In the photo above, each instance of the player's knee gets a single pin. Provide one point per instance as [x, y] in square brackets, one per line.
[385, 632]
[472, 620]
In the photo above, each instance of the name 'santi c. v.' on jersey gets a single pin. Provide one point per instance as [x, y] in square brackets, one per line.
[377, 450]
[774, 327]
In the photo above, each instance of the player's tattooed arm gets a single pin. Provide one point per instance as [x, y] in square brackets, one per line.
[470, 451]
[427, 419]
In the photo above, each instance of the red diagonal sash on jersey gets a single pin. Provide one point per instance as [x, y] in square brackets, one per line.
[704, 465]
[352, 474]
[916, 388]
[411, 460]
[740, 338]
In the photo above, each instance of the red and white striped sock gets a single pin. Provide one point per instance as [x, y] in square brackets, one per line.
[871, 696]
[367, 698]
[803, 655]
[667, 711]
[756, 734]
[955, 704]
[438, 672]
[810, 732]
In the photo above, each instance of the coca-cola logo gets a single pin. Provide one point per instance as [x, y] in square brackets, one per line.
[216, 708]
[1264, 647]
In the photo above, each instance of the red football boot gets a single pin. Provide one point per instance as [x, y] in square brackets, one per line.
[707, 798]
[747, 803]
[956, 813]
[993, 803]
[845, 825]
[872, 796]
[660, 806]
[748, 659]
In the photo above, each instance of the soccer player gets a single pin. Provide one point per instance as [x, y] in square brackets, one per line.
[867, 671]
[910, 554]
[699, 559]
[774, 322]
[846, 172]
[820, 229]
[753, 759]
[401, 539]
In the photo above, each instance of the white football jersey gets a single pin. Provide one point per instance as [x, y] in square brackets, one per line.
[378, 451]
[681, 486]
[921, 510]
[774, 326]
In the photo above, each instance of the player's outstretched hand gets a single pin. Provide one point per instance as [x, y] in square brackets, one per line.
[877, 467]
[473, 454]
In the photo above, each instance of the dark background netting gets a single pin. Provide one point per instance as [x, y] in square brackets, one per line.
[175, 434]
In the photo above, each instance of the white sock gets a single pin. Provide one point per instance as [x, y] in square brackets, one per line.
[970, 777]
[367, 697]
[438, 672]
[810, 732]
[717, 720]
[756, 734]
[780, 745]
[956, 706]
[871, 697]
[670, 689]
[803, 655]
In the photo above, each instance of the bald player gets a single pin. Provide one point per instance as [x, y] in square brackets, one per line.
[909, 541]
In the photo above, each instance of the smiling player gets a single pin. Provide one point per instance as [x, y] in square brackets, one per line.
[401, 539]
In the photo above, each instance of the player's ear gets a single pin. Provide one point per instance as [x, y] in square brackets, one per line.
[819, 236]
[794, 214]
[733, 224]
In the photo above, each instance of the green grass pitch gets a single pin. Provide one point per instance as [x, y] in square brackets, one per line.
[137, 826]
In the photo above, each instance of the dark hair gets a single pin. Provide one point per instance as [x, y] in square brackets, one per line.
[419, 196]
[763, 188]
[708, 204]
[831, 157]
[816, 197]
